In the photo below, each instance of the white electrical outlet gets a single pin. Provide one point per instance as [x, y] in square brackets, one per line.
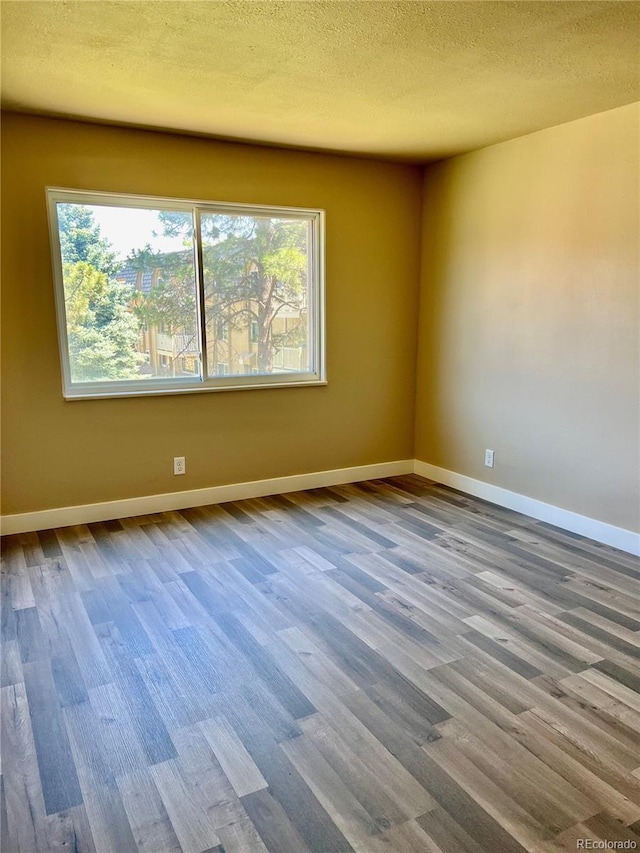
[179, 465]
[488, 458]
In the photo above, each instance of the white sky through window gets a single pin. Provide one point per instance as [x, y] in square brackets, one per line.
[129, 228]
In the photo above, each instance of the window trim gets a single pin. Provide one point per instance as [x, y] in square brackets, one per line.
[183, 385]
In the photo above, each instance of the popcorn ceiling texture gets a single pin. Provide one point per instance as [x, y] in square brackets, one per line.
[411, 80]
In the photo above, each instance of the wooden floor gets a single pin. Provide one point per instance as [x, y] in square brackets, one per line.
[389, 666]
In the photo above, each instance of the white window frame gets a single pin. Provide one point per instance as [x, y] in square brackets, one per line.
[186, 385]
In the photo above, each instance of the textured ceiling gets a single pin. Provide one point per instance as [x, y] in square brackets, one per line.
[410, 80]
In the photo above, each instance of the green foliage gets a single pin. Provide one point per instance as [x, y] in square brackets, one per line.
[286, 266]
[102, 332]
[80, 239]
[252, 258]
[253, 268]
[172, 300]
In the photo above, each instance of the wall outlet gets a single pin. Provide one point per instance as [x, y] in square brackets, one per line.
[179, 465]
[488, 458]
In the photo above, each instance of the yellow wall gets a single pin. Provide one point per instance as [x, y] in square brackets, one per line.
[58, 453]
[529, 327]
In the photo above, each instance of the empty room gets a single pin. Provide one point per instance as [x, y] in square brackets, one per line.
[320, 426]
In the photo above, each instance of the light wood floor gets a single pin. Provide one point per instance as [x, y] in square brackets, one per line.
[389, 666]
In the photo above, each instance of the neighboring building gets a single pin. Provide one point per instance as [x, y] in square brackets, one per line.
[168, 352]
[234, 346]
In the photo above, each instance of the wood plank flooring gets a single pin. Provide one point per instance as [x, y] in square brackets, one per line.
[379, 667]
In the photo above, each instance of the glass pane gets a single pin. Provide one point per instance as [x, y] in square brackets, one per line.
[256, 282]
[130, 292]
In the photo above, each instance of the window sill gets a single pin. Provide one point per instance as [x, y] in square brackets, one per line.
[82, 394]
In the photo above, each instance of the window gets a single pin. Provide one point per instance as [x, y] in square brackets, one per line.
[222, 330]
[156, 296]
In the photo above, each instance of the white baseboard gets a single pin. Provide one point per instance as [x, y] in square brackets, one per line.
[86, 513]
[617, 537]
[600, 531]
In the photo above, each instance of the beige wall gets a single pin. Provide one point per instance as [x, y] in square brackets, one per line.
[529, 322]
[58, 453]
